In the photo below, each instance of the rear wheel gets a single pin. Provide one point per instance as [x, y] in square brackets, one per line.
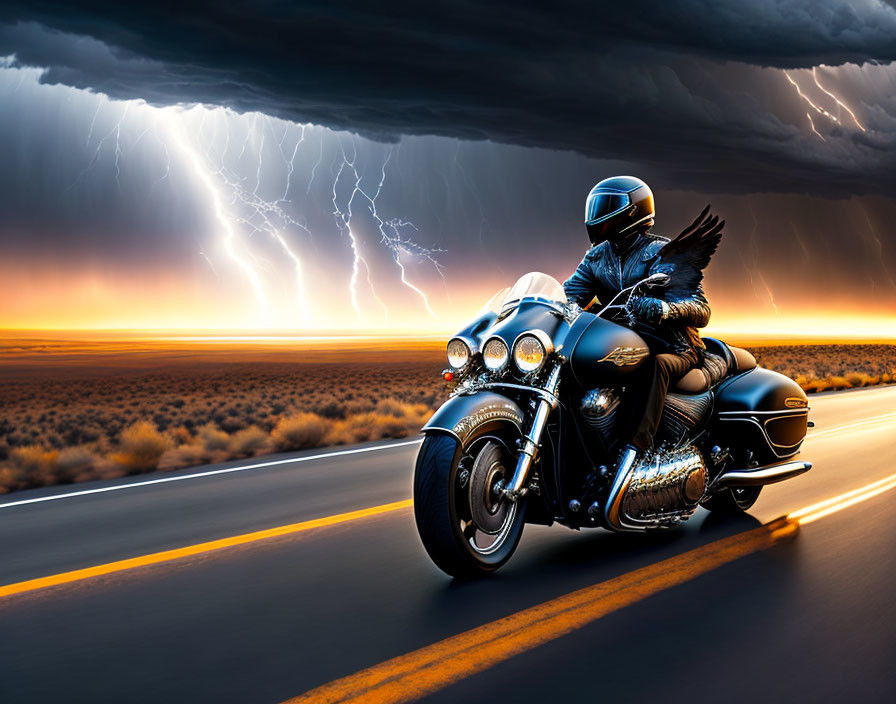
[733, 500]
[467, 526]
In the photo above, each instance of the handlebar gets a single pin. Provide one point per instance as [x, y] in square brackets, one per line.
[658, 279]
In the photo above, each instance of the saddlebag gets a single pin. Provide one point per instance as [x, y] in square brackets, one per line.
[763, 412]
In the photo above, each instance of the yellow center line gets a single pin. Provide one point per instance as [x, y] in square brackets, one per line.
[177, 553]
[417, 674]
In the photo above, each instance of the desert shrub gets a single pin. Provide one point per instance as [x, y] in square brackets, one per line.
[187, 455]
[212, 438]
[838, 382]
[299, 431]
[180, 435]
[861, 379]
[390, 407]
[141, 445]
[248, 441]
[26, 467]
[75, 463]
[33, 458]
[331, 410]
[405, 419]
[815, 386]
[8, 479]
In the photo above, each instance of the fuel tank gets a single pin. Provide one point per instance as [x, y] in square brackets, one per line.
[605, 352]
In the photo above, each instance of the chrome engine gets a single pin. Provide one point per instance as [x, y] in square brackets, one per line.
[599, 409]
[665, 487]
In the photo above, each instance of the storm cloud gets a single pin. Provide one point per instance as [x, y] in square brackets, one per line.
[694, 92]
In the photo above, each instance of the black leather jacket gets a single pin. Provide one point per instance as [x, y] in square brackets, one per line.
[604, 272]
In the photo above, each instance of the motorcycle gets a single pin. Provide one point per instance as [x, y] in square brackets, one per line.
[529, 433]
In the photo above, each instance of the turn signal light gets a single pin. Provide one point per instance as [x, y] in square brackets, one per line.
[448, 376]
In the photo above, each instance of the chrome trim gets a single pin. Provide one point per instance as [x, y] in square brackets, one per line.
[541, 393]
[612, 512]
[471, 344]
[546, 342]
[532, 439]
[760, 476]
[791, 411]
[502, 533]
[788, 450]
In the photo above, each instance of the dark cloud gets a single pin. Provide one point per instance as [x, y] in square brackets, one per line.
[693, 91]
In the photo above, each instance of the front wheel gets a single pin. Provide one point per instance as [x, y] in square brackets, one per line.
[467, 526]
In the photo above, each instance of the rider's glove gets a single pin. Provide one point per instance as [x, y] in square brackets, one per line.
[650, 310]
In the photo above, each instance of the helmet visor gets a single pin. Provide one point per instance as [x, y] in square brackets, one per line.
[599, 205]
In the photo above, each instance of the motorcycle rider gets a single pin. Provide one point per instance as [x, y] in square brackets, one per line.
[619, 213]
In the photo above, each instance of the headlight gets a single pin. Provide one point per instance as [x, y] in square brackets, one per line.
[458, 353]
[530, 350]
[495, 354]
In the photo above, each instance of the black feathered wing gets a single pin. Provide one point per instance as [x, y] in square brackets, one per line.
[685, 257]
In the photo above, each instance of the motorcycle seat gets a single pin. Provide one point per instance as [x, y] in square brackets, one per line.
[700, 379]
[719, 361]
[738, 360]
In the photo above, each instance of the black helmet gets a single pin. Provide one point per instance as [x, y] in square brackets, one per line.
[616, 207]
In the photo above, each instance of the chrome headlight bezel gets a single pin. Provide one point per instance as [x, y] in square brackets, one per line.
[547, 346]
[470, 351]
[495, 364]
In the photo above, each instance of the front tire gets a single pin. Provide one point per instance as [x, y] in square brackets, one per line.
[444, 508]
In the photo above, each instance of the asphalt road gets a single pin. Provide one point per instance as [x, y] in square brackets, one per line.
[810, 618]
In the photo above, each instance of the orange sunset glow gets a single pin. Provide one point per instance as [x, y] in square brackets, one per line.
[158, 303]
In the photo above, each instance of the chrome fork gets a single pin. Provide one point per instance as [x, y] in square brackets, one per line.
[531, 442]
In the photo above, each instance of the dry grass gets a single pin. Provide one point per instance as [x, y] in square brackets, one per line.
[71, 415]
[101, 412]
[831, 367]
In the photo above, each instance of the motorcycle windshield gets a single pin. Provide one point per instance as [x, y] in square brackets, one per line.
[494, 303]
[535, 285]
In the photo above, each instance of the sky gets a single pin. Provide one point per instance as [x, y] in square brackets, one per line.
[350, 166]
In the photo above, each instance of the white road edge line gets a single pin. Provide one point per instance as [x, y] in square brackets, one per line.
[197, 475]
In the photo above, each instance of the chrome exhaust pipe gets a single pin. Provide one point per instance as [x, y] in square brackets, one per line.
[759, 476]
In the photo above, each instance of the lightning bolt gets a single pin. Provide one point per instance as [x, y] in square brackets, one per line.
[837, 100]
[320, 158]
[291, 163]
[395, 244]
[818, 108]
[124, 114]
[344, 223]
[754, 264]
[116, 129]
[165, 175]
[263, 214]
[214, 146]
[812, 125]
[399, 245]
[389, 232]
[878, 246]
[192, 158]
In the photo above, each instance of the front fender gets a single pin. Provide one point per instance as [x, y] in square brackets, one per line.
[485, 410]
